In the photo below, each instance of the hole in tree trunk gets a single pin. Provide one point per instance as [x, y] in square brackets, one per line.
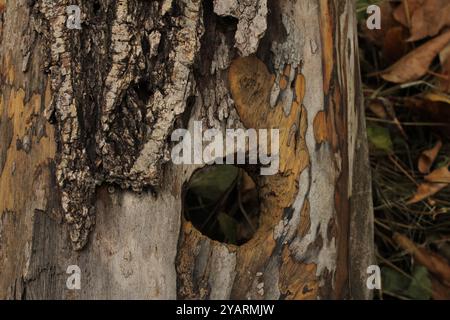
[222, 202]
[96, 7]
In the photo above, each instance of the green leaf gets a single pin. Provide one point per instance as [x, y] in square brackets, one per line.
[394, 281]
[380, 138]
[417, 288]
[212, 182]
[228, 226]
[420, 286]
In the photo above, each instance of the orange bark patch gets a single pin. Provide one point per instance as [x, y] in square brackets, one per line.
[326, 30]
[320, 127]
[284, 78]
[287, 70]
[300, 88]
[251, 84]
[283, 83]
[305, 219]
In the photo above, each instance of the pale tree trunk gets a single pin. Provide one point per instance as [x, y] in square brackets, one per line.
[86, 117]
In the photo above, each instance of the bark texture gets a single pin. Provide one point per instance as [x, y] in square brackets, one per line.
[85, 123]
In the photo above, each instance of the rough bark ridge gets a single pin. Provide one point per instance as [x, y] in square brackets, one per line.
[117, 88]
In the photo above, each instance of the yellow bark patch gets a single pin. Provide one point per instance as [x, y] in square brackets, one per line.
[251, 84]
[21, 169]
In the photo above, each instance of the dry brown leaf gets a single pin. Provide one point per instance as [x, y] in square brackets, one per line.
[416, 63]
[377, 107]
[444, 57]
[427, 158]
[394, 44]
[400, 13]
[435, 264]
[441, 175]
[427, 17]
[377, 36]
[383, 109]
[425, 190]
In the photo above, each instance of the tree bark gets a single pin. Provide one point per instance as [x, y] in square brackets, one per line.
[85, 122]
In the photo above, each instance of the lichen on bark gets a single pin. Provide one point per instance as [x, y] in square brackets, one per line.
[252, 22]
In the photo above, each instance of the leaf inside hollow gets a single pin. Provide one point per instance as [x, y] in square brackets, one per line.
[221, 201]
[215, 182]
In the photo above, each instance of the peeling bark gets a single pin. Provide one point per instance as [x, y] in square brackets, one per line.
[86, 117]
